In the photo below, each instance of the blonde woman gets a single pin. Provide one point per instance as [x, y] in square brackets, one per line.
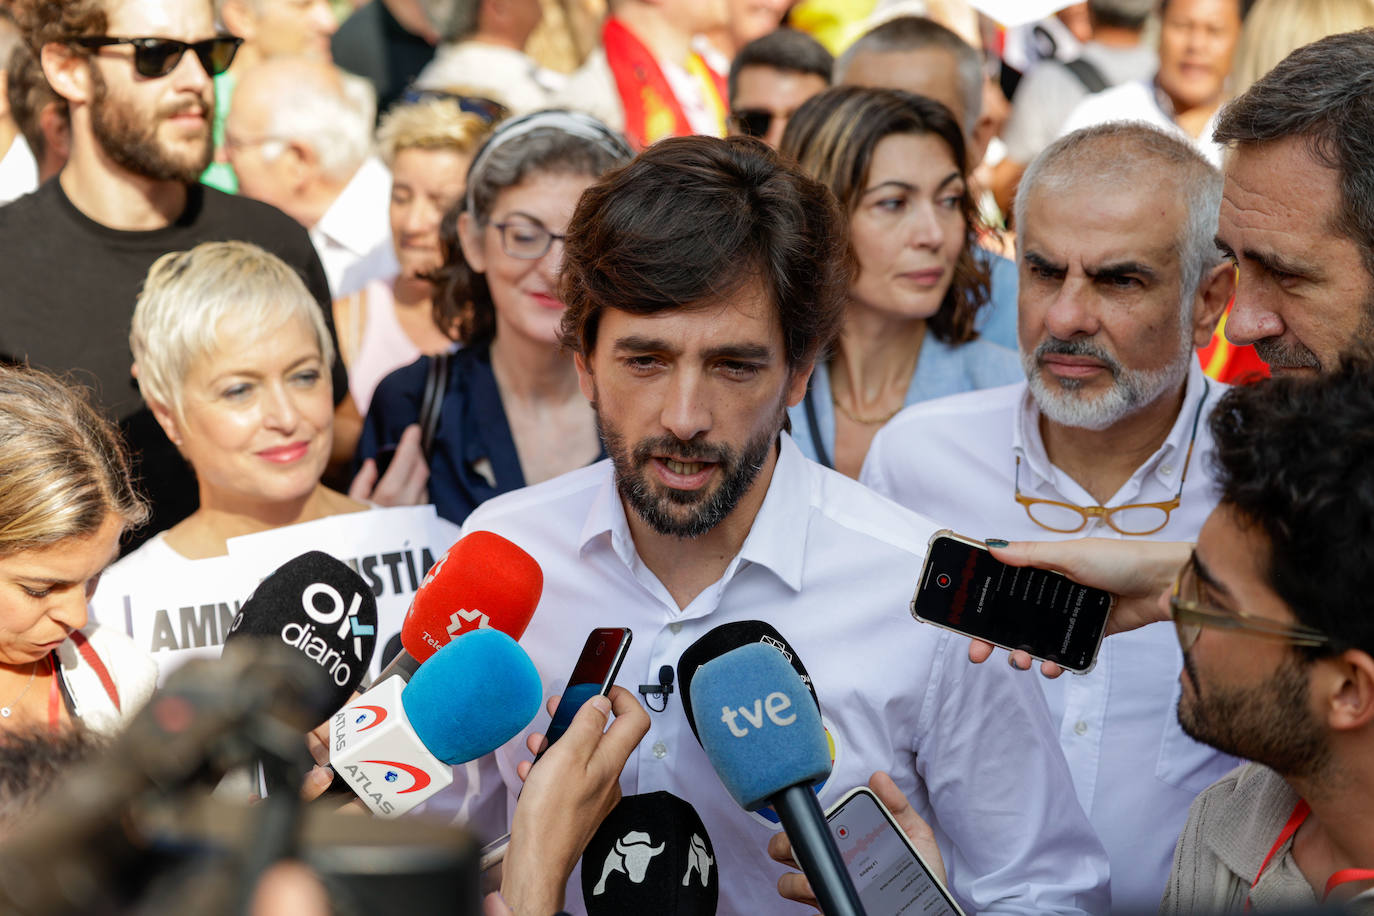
[1275, 28]
[65, 500]
[428, 146]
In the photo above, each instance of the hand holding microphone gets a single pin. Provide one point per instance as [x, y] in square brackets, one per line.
[762, 732]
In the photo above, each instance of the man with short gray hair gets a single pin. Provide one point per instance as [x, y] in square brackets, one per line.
[1107, 437]
[299, 143]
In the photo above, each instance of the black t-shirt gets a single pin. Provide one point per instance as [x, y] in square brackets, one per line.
[67, 291]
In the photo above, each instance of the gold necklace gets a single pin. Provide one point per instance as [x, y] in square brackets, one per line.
[866, 421]
[7, 710]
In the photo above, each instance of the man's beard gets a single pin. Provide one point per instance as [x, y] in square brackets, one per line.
[131, 140]
[653, 502]
[1131, 389]
[1272, 725]
[1280, 355]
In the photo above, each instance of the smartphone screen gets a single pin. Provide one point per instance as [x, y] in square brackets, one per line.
[965, 588]
[890, 878]
[593, 674]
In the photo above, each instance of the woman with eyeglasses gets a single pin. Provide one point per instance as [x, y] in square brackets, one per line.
[390, 323]
[895, 161]
[504, 410]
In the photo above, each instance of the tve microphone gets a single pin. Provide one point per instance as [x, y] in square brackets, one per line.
[396, 744]
[323, 610]
[650, 855]
[484, 581]
[719, 640]
[763, 734]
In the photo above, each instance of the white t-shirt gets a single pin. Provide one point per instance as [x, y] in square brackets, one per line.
[1136, 101]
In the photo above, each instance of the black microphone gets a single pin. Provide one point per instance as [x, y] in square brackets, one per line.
[650, 855]
[664, 689]
[323, 610]
[719, 640]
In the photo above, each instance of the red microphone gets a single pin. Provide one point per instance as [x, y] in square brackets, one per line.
[484, 581]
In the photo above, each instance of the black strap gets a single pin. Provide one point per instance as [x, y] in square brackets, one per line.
[814, 425]
[431, 405]
[1088, 74]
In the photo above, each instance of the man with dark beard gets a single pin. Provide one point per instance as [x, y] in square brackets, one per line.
[701, 281]
[1120, 282]
[136, 75]
[1273, 612]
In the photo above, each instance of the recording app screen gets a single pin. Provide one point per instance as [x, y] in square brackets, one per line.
[592, 668]
[967, 589]
[889, 879]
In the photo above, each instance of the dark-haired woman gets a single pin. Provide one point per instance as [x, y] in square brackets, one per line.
[511, 412]
[895, 162]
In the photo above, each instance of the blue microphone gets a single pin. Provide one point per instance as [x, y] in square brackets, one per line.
[761, 729]
[395, 745]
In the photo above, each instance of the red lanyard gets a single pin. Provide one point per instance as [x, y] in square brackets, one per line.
[1295, 820]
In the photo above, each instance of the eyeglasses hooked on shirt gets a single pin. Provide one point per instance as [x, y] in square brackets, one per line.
[1131, 519]
[154, 57]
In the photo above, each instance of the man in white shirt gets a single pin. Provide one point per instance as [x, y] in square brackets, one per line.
[299, 142]
[1120, 281]
[487, 56]
[18, 168]
[1197, 39]
[701, 282]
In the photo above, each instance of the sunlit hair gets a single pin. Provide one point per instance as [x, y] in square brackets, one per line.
[63, 467]
[1276, 28]
[45, 21]
[189, 294]
[438, 124]
[833, 137]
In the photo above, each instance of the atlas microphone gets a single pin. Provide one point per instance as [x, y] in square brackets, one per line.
[321, 609]
[762, 732]
[651, 854]
[484, 582]
[396, 744]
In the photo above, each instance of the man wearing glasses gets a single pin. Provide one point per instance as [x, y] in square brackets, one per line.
[136, 75]
[1119, 282]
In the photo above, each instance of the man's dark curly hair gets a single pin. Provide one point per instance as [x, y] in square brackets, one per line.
[46, 21]
[1295, 458]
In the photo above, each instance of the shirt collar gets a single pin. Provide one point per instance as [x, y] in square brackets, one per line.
[776, 541]
[1027, 443]
[350, 221]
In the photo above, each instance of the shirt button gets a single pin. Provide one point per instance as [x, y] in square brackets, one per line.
[1080, 728]
[1166, 469]
[675, 628]
[660, 750]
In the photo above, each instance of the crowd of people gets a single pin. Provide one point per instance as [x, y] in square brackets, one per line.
[721, 311]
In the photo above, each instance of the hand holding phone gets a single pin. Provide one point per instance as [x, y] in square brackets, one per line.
[592, 675]
[965, 589]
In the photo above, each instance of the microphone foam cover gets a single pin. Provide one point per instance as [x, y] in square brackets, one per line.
[320, 608]
[719, 640]
[651, 854]
[472, 696]
[758, 725]
[483, 581]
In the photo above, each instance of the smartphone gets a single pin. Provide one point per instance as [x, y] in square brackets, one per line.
[891, 877]
[593, 674]
[965, 589]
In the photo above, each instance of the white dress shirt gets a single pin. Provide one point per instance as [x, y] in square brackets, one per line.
[1139, 101]
[1134, 770]
[18, 171]
[353, 238]
[833, 567]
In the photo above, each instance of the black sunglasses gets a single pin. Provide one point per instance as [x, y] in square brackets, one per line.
[155, 57]
[753, 122]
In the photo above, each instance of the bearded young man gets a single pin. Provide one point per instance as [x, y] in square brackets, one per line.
[1120, 282]
[137, 77]
[701, 282]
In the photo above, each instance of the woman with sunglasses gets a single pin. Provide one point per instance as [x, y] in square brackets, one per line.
[895, 161]
[390, 323]
[505, 410]
[65, 501]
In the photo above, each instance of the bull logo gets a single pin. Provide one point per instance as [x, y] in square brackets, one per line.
[630, 856]
[698, 858]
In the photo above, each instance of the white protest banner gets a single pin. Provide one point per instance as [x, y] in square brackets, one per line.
[391, 549]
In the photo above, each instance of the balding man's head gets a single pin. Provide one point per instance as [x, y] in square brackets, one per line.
[293, 133]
